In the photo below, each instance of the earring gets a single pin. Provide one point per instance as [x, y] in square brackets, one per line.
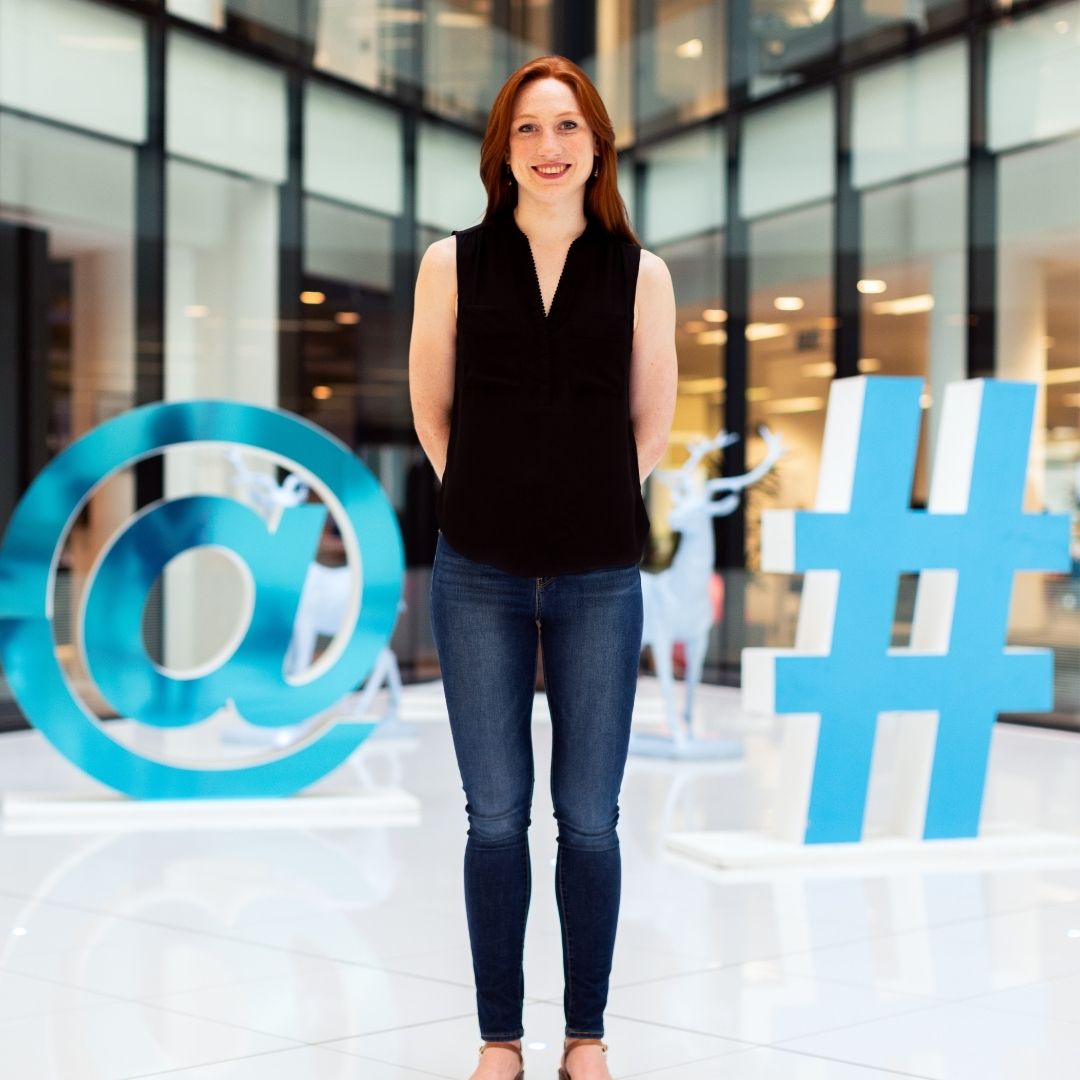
[596, 168]
[509, 174]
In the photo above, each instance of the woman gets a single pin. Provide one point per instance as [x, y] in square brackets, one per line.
[542, 375]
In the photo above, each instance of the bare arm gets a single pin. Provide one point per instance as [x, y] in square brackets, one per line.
[654, 366]
[432, 349]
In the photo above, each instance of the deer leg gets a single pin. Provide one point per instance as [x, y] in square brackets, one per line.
[695, 663]
[661, 649]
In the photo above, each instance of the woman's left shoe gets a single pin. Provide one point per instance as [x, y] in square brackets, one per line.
[508, 1046]
[563, 1074]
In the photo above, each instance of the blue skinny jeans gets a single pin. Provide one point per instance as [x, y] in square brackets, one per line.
[485, 624]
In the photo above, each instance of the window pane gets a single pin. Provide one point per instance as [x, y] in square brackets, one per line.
[696, 271]
[221, 280]
[466, 58]
[684, 185]
[1035, 77]
[82, 63]
[876, 25]
[682, 62]
[354, 379]
[352, 150]
[449, 192]
[68, 357]
[1038, 340]
[789, 41]
[790, 347]
[914, 291]
[612, 68]
[374, 44]
[224, 109]
[911, 116]
[788, 154]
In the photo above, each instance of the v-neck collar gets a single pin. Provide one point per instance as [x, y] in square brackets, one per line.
[531, 277]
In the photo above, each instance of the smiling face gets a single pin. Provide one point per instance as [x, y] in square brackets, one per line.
[548, 129]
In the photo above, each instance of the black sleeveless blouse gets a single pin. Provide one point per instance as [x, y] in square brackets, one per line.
[541, 471]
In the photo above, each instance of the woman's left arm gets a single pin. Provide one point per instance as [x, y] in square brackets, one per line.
[654, 367]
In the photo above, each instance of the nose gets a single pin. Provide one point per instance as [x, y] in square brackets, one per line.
[550, 146]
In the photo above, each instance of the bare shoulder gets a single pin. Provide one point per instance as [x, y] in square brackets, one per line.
[440, 258]
[437, 273]
[653, 270]
[654, 285]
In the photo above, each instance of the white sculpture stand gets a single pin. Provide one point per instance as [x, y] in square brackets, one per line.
[677, 603]
[21, 815]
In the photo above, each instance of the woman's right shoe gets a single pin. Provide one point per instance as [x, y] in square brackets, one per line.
[508, 1046]
[563, 1074]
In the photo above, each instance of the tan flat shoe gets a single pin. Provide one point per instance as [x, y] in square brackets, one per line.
[563, 1074]
[508, 1046]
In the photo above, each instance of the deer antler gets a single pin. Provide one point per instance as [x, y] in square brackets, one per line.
[699, 449]
[264, 489]
[775, 449]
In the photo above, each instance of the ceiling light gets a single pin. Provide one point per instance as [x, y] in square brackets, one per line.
[695, 326]
[759, 331]
[869, 364]
[794, 405]
[322, 393]
[789, 303]
[1063, 375]
[714, 314]
[347, 318]
[461, 20]
[712, 337]
[690, 50]
[710, 384]
[311, 296]
[823, 369]
[904, 305]
[871, 285]
[757, 393]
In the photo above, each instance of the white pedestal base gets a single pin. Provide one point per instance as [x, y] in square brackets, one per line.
[746, 851]
[664, 746]
[50, 813]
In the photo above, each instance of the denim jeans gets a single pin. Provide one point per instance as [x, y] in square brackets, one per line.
[486, 623]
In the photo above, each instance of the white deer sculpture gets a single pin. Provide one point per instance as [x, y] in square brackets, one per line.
[676, 600]
[321, 609]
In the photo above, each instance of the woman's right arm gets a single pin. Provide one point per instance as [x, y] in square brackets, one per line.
[432, 348]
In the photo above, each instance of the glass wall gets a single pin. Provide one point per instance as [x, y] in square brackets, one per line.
[1035, 127]
[68, 250]
[880, 186]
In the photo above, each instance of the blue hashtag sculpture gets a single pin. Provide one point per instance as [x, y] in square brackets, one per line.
[966, 546]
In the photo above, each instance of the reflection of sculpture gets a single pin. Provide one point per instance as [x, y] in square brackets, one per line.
[322, 602]
[677, 601]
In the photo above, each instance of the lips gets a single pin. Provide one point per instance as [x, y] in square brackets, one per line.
[563, 172]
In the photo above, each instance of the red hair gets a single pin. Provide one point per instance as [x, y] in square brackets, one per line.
[602, 198]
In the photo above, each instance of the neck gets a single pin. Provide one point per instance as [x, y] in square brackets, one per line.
[556, 224]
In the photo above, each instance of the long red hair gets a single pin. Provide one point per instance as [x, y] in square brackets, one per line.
[602, 198]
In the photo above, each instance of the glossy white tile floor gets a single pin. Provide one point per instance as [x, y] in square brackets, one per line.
[326, 954]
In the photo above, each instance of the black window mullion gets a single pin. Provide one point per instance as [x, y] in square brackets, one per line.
[981, 216]
[847, 240]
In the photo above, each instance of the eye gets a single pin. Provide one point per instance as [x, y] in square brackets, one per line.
[574, 122]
